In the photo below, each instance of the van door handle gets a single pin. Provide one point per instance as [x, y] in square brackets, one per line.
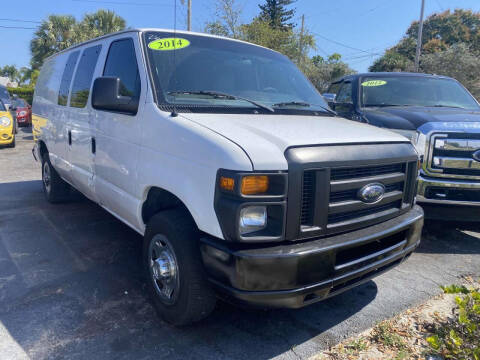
[69, 137]
[94, 145]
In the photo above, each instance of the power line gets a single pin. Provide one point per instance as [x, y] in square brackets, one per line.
[121, 3]
[20, 20]
[16, 27]
[339, 43]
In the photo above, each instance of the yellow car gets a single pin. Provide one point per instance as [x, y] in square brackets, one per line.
[7, 127]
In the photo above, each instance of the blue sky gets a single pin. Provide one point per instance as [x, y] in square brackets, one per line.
[357, 29]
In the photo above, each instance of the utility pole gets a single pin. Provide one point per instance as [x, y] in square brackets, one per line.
[189, 16]
[302, 30]
[419, 40]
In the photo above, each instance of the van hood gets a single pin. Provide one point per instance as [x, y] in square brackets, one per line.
[265, 138]
[412, 117]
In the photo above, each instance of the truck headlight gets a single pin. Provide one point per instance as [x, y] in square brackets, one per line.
[419, 141]
[5, 121]
[252, 218]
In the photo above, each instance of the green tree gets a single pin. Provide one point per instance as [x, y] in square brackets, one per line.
[440, 32]
[459, 62]
[275, 12]
[59, 32]
[97, 24]
[11, 72]
[54, 34]
[322, 72]
[227, 19]
[392, 61]
[286, 41]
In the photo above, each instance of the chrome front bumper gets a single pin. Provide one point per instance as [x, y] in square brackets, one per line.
[425, 182]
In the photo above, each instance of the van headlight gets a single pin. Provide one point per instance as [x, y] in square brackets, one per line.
[252, 218]
[22, 113]
[251, 206]
[5, 121]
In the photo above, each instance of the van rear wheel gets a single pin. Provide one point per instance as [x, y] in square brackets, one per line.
[173, 268]
[56, 190]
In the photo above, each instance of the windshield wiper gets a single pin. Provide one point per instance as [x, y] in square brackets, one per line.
[220, 95]
[294, 103]
[449, 106]
[304, 104]
[386, 105]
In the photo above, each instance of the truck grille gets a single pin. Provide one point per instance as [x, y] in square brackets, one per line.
[345, 211]
[452, 154]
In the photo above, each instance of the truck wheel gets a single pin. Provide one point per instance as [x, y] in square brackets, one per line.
[175, 276]
[55, 189]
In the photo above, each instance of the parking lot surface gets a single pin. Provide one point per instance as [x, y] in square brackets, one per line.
[71, 287]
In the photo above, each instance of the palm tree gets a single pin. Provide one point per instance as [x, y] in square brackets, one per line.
[97, 24]
[59, 32]
[54, 34]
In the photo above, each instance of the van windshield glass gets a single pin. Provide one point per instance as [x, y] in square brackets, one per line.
[415, 91]
[245, 75]
[2, 107]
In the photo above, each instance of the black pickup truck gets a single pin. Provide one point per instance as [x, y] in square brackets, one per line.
[439, 116]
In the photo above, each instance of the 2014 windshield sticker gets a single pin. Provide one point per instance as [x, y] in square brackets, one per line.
[168, 44]
[374, 83]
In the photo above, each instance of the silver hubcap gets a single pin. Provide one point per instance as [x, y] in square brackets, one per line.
[46, 176]
[163, 269]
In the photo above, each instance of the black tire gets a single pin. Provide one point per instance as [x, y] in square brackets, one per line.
[57, 190]
[193, 299]
[12, 144]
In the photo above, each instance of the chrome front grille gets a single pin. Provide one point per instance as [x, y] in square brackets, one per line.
[453, 155]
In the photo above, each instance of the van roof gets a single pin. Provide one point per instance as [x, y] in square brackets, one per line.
[152, 29]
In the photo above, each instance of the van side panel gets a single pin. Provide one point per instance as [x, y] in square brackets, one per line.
[183, 158]
[46, 124]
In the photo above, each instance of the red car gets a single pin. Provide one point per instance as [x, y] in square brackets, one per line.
[23, 111]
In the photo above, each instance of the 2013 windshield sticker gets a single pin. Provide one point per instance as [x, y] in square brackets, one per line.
[168, 44]
[374, 83]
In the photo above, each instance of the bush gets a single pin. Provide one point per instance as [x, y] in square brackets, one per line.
[23, 92]
[459, 337]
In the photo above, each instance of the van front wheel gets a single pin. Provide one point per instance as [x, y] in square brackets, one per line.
[174, 271]
[56, 190]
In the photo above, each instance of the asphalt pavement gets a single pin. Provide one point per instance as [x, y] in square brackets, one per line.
[71, 287]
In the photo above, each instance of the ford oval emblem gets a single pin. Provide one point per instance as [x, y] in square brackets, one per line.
[371, 193]
[476, 155]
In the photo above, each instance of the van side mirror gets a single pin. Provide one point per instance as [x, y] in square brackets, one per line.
[330, 98]
[106, 95]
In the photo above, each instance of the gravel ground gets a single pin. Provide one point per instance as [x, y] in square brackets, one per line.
[71, 287]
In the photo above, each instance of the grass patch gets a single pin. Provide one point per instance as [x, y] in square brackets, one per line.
[384, 333]
[458, 337]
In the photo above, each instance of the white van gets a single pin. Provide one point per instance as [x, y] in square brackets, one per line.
[227, 160]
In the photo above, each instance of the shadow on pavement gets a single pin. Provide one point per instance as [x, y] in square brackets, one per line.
[447, 237]
[72, 287]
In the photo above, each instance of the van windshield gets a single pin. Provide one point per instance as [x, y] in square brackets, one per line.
[212, 74]
[415, 91]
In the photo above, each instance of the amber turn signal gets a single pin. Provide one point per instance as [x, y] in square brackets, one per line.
[254, 184]
[227, 183]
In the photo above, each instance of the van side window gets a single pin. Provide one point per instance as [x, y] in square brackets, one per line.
[67, 78]
[333, 89]
[83, 76]
[122, 63]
